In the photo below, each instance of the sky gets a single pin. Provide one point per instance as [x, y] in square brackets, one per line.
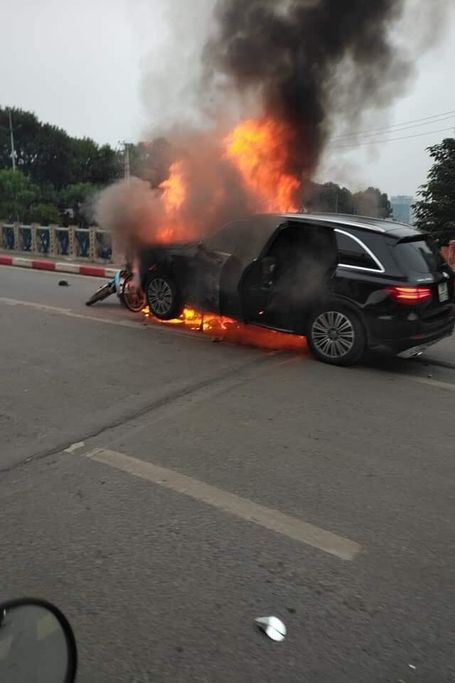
[85, 66]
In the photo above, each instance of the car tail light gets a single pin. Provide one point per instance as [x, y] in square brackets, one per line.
[410, 295]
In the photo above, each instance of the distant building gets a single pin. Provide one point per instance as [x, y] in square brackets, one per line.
[402, 209]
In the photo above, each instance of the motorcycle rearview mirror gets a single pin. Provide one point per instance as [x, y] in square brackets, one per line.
[36, 643]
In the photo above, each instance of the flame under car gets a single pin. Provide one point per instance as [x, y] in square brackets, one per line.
[348, 284]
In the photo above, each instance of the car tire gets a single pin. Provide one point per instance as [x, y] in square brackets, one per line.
[337, 336]
[164, 298]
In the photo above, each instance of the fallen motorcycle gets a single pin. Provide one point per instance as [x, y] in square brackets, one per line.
[123, 284]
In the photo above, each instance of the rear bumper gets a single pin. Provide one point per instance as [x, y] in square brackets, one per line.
[401, 335]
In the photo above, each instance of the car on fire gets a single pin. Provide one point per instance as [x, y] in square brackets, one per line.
[349, 284]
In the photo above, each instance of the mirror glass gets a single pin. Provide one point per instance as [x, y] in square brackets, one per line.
[35, 645]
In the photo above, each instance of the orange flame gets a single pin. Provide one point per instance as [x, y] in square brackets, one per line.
[174, 190]
[223, 329]
[174, 195]
[257, 150]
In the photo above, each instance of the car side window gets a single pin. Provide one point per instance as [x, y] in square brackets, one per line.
[353, 254]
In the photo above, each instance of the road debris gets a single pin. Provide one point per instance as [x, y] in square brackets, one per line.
[63, 283]
[272, 627]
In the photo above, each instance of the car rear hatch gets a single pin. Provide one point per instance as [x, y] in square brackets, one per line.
[425, 268]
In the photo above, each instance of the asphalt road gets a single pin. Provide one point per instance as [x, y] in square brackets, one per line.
[165, 491]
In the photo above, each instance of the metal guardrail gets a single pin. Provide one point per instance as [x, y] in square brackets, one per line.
[94, 245]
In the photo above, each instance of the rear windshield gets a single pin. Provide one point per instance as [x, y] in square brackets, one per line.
[419, 256]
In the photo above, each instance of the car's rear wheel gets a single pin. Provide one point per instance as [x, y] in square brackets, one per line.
[337, 336]
[163, 297]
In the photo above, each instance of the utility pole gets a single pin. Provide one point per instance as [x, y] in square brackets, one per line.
[11, 132]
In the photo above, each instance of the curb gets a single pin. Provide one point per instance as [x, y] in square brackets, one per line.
[63, 267]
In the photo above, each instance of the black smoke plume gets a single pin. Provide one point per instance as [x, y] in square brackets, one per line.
[291, 54]
[307, 65]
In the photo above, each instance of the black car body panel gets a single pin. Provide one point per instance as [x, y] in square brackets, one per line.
[392, 326]
[275, 270]
[225, 273]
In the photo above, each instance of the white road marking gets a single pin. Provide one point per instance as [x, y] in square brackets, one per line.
[75, 447]
[292, 527]
[446, 386]
[141, 324]
[72, 314]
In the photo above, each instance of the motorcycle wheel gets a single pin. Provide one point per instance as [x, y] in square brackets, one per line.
[102, 293]
[132, 297]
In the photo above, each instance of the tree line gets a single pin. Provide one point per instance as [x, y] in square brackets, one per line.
[55, 173]
[57, 177]
[435, 209]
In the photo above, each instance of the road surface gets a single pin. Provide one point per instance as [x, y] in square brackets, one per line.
[165, 491]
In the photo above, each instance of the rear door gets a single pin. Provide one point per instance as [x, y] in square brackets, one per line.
[292, 275]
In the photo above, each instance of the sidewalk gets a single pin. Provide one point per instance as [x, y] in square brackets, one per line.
[57, 265]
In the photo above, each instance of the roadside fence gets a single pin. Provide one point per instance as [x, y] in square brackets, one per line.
[93, 244]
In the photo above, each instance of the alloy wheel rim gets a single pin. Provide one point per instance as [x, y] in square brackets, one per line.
[160, 296]
[333, 334]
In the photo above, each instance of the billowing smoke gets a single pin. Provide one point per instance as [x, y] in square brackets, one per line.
[290, 54]
[281, 73]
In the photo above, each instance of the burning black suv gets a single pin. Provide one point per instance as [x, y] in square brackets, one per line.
[347, 283]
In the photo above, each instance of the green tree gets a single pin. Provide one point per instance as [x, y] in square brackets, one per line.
[329, 197]
[75, 203]
[435, 211]
[26, 128]
[83, 155]
[44, 214]
[48, 155]
[94, 164]
[106, 166]
[372, 202]
[17, 195]
[43, 152]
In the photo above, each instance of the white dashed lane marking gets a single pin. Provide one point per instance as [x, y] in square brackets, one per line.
[268, 518]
